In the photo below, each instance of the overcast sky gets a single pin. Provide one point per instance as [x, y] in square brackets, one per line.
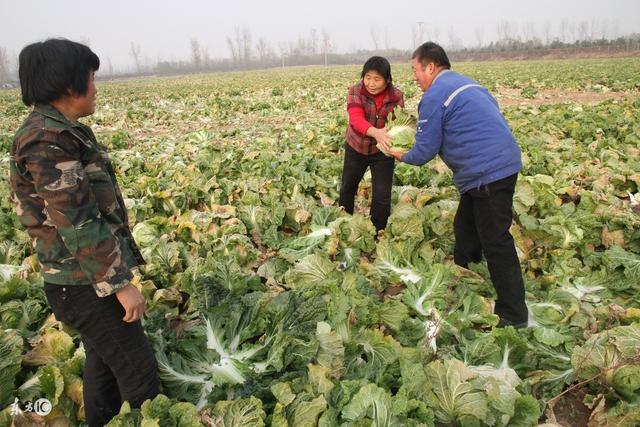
[164, 29]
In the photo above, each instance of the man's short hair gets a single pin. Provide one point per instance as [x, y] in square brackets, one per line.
[431, 52]
[380, 65]
[53, 68]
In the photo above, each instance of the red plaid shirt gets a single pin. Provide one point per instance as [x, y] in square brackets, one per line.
[359, 97]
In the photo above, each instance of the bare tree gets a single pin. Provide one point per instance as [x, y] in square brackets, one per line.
[374, 37]
[4, 65]
[514, 30]
[263, 48]
[233, 50]
[547, 32]
[282, 47]
[583, 30]
[246, 45]
[454, 41]
[327, 46]
[206, 59]
[529, 31]
[604, 30]
[386, 37]
[564, 29]
[615, 25]
[479, 32]
[300, 47]
[436, 33]
[109, 66]
[240, 45]
[417, 34]
[420, 33]
[135, 53]
[293, 49]
[313, 41]
[502, 28]
[196, 54]
[507, 31]
[236, 47]
[593, 30]
[238, 40]
[572, 32]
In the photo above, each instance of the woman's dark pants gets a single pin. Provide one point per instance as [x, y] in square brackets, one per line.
[355, 165]
[120, 364]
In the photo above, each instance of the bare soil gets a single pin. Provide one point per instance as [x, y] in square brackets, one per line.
[570, 411]
[508, 97]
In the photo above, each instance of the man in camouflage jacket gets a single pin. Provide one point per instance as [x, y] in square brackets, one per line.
[69, 201]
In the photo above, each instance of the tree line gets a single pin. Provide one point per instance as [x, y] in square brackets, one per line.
[317, 48]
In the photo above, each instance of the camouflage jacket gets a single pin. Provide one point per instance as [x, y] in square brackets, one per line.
[70, 203]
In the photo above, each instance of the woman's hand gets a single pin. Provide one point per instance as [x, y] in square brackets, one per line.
[381, 136]
[132, 301]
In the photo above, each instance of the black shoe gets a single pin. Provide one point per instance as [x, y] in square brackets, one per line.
[504, 323]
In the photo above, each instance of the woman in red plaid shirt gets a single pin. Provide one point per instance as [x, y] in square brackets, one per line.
[368, 103]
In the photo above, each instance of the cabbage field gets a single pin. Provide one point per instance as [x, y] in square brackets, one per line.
[268, 305]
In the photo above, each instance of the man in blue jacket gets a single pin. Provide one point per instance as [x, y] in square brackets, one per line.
[460, 120]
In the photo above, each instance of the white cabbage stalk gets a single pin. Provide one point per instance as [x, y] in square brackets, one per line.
[432, 327]
[585, 293]
[227, 370]
[325, 231]
[406, 274]
[419, 307]
[531, 320]
[213, 342]
[186, 378]
[227, 356]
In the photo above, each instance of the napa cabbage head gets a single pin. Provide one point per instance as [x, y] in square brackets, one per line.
[402, 129]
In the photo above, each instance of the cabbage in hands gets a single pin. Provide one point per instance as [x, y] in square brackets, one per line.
[402, 131]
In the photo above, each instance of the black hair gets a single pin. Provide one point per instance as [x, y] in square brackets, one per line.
[431, 52]
[53, 68]
[380, 65]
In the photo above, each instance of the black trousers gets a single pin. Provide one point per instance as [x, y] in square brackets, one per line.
[355, 165]
[481, 226]
[120, 363]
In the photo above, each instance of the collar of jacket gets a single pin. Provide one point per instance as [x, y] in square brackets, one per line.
[441, 73]
[391, 94]
[51, 112]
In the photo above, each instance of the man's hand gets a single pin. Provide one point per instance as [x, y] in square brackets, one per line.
[132, 301]
[381, 136]
[396, 154]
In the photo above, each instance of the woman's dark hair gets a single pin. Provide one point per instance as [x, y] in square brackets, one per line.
[431, 52]
[380, 65]
[53, 68]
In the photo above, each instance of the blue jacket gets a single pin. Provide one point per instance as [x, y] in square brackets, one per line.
[461, 121]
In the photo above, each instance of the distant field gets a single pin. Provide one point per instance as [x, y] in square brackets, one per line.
[232, 98]
[231, 181]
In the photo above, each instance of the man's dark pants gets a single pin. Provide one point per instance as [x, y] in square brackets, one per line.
[481, 226]
[355, 165]
[120, 364]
